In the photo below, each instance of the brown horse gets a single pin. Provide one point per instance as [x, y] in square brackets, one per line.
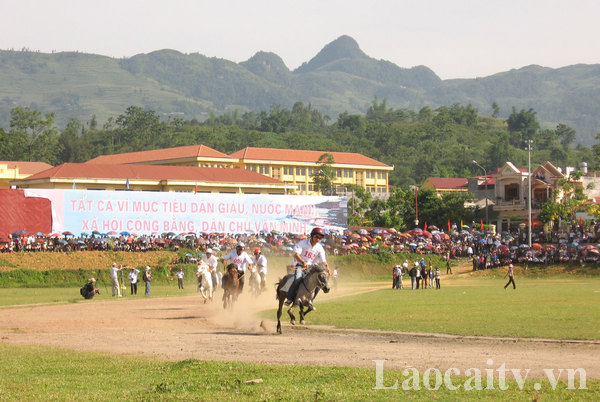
[231, 284]
[317, 276]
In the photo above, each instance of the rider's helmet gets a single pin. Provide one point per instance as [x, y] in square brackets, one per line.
[317, 231]
[256, 250]
[209, 251]
[240, 245]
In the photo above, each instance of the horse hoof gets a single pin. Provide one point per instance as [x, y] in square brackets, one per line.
[302, 322]
[293, 322]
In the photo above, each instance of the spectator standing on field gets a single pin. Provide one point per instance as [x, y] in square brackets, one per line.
[180, 275]
[147, 279]
[114, 279]
[134, 278]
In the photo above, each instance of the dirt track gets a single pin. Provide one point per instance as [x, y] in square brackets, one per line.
[183, 328]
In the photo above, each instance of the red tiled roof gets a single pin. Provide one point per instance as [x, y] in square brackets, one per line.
[27, 167]
[491, 180]
[154, 172]
[189, 151]
[295, 155]
[447, 183]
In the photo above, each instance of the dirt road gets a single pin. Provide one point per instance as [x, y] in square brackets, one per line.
[183, 328]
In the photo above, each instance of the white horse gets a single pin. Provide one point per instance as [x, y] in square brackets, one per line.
[204, 281]
[255, 282]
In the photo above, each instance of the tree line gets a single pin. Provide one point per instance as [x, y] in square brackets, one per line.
[439, 142]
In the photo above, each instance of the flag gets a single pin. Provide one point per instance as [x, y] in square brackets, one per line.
[195, 188]
[74, 186]
[449, 230]
[580, 221]
[481, 225]
[425, 227]
[127, 184]
[461, 224]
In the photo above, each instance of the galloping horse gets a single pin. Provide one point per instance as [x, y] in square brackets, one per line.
[255, 282]
[317, 276]
[204, 281]
[231, 284]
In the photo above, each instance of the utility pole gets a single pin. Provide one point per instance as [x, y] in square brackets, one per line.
[487, 219]
[529, 143]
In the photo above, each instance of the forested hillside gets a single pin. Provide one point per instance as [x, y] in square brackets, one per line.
[341, 78]
[438, 142]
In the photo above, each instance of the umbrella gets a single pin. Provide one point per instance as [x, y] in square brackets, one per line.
[362, 231]
[433, 227]
[123, 233]
[39, 234]
[537, 246]
[593, 251]
[514, 248]
[112, 233]
[95, 232]
[589, 247]
[67, 233]
[550, 247]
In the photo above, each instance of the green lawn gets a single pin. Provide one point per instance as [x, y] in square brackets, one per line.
[552, 308]
[15, 296]
[30, 373]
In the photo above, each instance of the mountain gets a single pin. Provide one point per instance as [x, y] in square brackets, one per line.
[340, 78]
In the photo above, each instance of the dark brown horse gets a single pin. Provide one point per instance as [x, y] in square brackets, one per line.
[317, 276]
[231, 284]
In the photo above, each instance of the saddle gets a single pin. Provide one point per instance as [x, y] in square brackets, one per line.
[287, 282]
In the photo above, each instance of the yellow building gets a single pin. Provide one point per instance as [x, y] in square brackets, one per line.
[293, 167]
[93, 176]
[18, 170]
[296, 167]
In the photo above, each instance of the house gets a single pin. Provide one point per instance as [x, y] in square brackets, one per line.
[19, 170]
[512, 188]
[94, 176]
[441, 185]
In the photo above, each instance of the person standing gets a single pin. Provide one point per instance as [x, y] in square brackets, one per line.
[180, 275]
[448, 266]
[241, 259]
[307, 252]
[438, 274]
[335, 276]
[133, 278]
[212, 261]
[395, 275]
[114, 279]
[510, 273]
[147, 279]
[260, 261]
[413, 276]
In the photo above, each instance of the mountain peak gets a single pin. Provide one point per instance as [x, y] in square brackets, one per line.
[343, 47]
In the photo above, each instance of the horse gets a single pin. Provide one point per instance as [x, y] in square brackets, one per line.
[204, 281]
[255, 282]
[317, 276]
[231, 284]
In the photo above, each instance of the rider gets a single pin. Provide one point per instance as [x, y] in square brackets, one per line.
[261, 262]
[241, 259]
[307, 252]
[210, 260]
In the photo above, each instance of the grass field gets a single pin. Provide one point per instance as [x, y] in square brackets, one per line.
[36, 373]
[552, 308]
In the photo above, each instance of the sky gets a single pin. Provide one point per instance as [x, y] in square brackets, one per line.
[456, 39]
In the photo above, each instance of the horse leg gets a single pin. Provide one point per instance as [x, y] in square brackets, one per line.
[279, 314]
[291, 314]
[301, 311]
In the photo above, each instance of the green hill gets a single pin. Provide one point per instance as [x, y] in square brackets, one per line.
[340, 78]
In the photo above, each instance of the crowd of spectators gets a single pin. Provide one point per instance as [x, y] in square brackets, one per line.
[577, 243]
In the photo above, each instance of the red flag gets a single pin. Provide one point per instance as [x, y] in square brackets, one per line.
[425, 228]
[481, 225]
[195, 189]
[449, 226]
[580, 221]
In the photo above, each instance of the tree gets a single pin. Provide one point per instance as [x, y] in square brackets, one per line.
[566, 135]
[522, 126]
[33, 137]
[495, 110]
[324, 175]
[567, 199]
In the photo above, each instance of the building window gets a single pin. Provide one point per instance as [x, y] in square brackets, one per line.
[288, 170]
[300, 171]
[264, 169]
